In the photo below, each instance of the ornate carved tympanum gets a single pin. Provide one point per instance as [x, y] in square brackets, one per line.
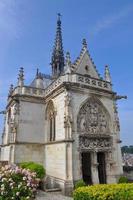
[92, 118]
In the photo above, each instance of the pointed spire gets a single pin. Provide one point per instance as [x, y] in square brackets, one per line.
[107, 74]
[58, 53]
[21, 77]
[10, 90]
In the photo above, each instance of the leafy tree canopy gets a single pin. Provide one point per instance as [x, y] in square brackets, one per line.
[127, 149]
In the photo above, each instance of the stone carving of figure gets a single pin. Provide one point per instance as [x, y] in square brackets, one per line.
[14, 112]
[15, 109]
[103, 123]
[68, 115]
[92, 119]
[67, 99]
[82, 124]
[117, 123]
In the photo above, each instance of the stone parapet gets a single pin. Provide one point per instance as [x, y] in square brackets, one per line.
[68, 78]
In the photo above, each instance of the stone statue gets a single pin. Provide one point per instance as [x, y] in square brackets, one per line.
[68, 115]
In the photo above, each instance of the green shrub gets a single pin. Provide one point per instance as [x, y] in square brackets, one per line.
[123, 179]
[79, 183]
[105, 192]
[34, 167]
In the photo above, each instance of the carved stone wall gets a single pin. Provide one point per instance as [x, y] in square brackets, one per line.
[93, 118]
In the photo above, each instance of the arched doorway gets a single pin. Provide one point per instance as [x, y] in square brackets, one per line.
[94, 140]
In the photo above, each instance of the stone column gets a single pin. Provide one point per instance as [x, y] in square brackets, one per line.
[110, 168]
[69, 177]
[52, 129]
[94, 168]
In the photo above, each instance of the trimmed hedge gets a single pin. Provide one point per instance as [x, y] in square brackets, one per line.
[105, 192]
[34, 167]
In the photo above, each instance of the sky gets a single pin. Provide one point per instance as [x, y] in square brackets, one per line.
[27, 32]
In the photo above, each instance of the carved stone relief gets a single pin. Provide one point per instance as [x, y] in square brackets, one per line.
[92, 119]
[94, 143]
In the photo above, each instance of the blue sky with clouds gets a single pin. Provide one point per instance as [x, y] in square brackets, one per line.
[27, 30]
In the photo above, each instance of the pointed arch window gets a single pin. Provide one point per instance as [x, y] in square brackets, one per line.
[51, 121]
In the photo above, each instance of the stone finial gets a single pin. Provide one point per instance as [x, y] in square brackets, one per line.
[107, 74]
[21, 77]
[10, 90]
[59, 16]
[39, 80]
[84, 43]
[37, 73]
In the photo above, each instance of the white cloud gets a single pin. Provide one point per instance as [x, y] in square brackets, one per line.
[111, 20]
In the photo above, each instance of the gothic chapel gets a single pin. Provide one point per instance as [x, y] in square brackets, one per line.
[67, 121]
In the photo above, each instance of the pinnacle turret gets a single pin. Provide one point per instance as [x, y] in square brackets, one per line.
[21, 77]
[67, 63]
[107, 74]
[58, 53]
[68, 58]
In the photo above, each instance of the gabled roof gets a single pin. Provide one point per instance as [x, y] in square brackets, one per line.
[84, 64]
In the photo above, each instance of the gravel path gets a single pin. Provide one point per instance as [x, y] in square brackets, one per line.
[51, 196]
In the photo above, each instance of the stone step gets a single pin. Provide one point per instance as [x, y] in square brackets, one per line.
[53, 190]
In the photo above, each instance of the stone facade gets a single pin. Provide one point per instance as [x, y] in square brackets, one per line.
[60, 122]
